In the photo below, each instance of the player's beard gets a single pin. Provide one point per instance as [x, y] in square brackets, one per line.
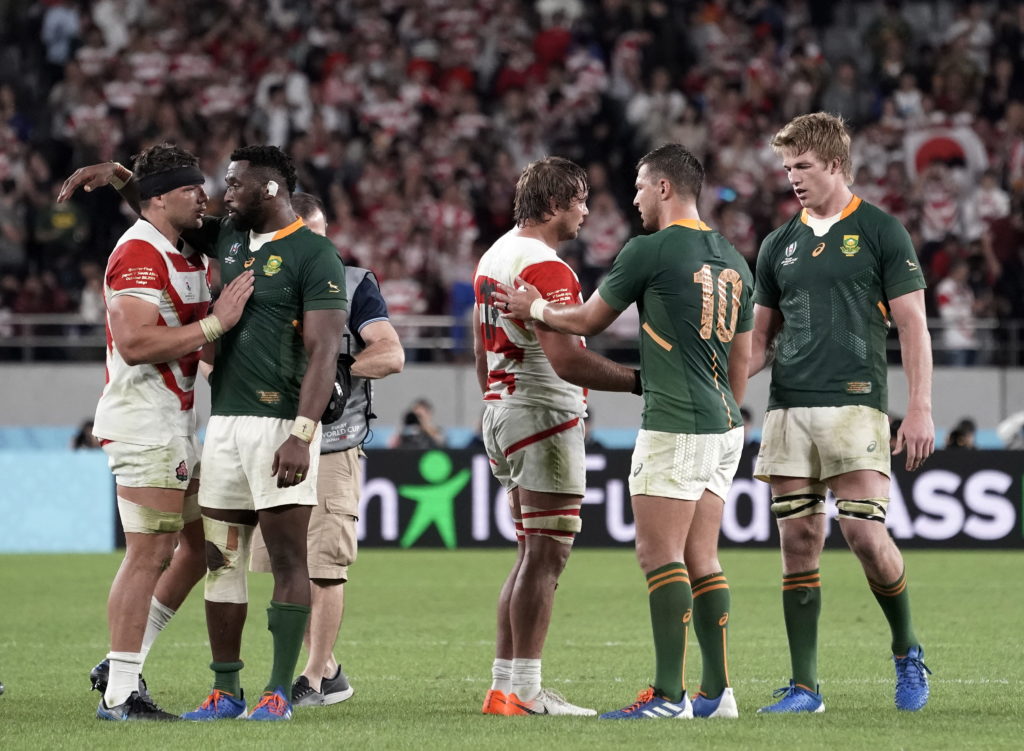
[247, 218]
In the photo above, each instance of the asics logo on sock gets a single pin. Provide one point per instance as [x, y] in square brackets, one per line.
[724, 619]
[686, 616]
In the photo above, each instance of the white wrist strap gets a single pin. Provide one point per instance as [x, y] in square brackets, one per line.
[537, 308]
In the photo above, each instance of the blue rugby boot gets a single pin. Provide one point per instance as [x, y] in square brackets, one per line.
[723, 705]
[273, 706]
[794, 699]
[219, 705]
[911, 680]
[650, 706]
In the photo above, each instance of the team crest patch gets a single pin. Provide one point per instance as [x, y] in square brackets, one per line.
[182, 471]
[851, 245]
[273, 265]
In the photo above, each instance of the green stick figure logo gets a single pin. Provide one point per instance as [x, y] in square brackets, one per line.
[436, 501]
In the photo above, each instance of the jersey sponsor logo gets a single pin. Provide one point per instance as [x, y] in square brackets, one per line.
[273, 265]
[249, 262]
[332, 287]
[818, 250]
[851, 245]
[872, 446]
[858, 387]
[637, 469]
[182, 471]
[268, 397]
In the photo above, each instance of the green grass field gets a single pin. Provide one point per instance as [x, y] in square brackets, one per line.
[417, 646]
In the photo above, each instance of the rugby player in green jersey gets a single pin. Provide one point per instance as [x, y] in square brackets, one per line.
[827, 283]
[693, 291]
[274, 374]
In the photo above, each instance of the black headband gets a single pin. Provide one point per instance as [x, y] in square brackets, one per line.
[163, 182]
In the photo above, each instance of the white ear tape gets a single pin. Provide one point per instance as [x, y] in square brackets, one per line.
[272, 188]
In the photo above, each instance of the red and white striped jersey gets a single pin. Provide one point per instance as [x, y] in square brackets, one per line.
[152, 403]
[519, 373]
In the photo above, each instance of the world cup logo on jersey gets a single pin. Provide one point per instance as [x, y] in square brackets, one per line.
[851, 245]
[273, 265]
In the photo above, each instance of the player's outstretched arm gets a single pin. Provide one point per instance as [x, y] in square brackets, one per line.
[917, 433]
[96, 176]
[576, 364]
[525, 302]
[382, 354]
[321, 336]
[739, 365]
[767, 325]
[134, 325]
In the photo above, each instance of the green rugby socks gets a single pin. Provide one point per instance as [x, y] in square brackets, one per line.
[287, 623]
[895, 602]
[226, 678]
[711, 600]
[801, 605]
[668, 590]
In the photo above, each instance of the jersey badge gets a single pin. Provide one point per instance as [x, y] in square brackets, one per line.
[332, 287]
[911, 265]
[273, 265]
[181, 472]
[818, 250]
[851, 245]
[232, 252]
[790, 258]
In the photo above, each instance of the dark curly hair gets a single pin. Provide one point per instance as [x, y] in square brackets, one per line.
[546, 181]
[268, 159]
[161, 158]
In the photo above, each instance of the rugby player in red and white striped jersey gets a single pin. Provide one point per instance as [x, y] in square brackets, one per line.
[158, 296]
[533, 380]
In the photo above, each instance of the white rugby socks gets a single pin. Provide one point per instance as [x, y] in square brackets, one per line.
[124, 677]
[525, 678]
[159, 616]
[501, 675]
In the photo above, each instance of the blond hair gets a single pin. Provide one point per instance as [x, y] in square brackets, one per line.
[823, 133]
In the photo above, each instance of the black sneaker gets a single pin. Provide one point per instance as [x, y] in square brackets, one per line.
[336, 689]
[135, 707]
[304, 695]
[100, 674]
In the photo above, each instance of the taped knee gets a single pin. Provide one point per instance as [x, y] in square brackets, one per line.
[227, 551]
[803, 502]
[147, 521]
[520, 534]
[869, 509]
[560, 524]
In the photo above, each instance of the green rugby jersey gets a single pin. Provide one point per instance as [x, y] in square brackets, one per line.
[833, 292]
[261, 361]
[693, 290]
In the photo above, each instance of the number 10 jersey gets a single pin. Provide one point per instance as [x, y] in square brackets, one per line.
[693, 291]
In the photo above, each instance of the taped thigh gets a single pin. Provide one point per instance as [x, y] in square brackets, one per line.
[560, 523]
[147, 521]
[868, 509]
[802, 502]
[227, 551]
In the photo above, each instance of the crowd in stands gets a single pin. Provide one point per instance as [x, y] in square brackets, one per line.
[413, 118]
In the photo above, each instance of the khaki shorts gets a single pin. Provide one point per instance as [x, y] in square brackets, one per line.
[237, 457]
[536, 449]
[822, 442]
[331, 540]
[684, 465]
[172, 467]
